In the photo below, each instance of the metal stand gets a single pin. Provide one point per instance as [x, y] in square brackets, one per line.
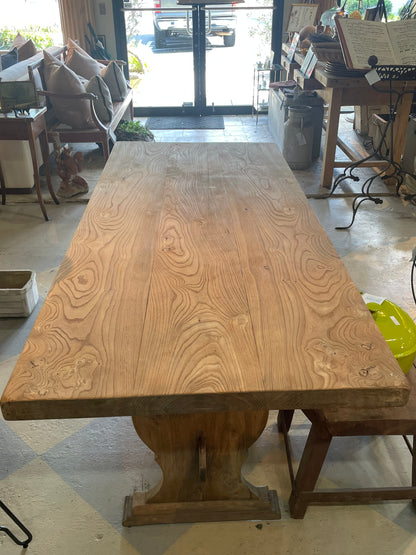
[198, 22]
[392, 170]
[24, 543]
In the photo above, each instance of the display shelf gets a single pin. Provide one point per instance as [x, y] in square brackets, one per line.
[262, 76]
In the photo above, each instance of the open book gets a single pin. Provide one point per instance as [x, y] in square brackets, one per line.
[394, 43]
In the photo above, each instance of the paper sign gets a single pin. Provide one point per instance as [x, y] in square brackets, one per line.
[308, 64]
[311, 66]
[293, 46]
[306, 61]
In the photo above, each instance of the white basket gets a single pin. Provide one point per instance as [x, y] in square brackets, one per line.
[18, 293]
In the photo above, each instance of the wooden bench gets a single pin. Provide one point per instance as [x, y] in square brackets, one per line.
[327, 424]
[102, 133]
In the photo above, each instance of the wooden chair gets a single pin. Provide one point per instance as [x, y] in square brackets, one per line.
[327, 424]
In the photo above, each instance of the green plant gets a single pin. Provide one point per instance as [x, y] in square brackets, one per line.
[43, 37]
[133, 131]
[352, 5]
[135, 64]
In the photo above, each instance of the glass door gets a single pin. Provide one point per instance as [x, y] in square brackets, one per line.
[160, 56]
[230, 59]
[195, 59]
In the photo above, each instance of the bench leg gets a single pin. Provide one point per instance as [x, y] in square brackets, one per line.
[284, 420]
[106, 149]
[309, 469]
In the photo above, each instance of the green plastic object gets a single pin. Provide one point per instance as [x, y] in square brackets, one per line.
[398, 329]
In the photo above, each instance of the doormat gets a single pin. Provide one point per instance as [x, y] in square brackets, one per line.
[186, 122]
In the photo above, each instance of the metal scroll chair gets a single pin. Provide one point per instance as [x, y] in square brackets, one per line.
[327, 424]
[23, 543]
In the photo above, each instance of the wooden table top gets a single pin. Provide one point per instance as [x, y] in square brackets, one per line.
[199, 279]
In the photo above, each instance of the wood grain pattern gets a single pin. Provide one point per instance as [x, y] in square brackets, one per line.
[201, 457]
[200, 280]
[175, 440]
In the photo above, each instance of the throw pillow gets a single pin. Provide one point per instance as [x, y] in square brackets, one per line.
[115, 81]
[103, 104]
[72, 45]
[17, 42]
[82, 65]
[60, 79]
[9, 59]
[27, 50]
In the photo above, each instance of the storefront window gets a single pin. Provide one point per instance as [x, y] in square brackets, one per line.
[34, 19]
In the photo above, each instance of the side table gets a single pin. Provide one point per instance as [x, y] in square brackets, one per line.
[27, 127]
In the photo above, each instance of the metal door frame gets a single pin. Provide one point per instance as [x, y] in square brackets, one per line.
[199, 62]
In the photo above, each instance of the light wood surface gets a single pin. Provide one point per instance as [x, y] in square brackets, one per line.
[201, 456]
[200, 280]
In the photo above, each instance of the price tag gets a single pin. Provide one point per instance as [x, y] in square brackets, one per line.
[301, 139]
[372, 77]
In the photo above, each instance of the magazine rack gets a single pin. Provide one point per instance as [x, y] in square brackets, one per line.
[393, 170]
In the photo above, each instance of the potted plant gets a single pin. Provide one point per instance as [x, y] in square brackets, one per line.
[133, 131]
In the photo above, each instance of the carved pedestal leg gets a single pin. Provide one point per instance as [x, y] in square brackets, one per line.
[201, 456]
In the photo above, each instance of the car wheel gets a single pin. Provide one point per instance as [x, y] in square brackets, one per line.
[160, 38]
[229, 40]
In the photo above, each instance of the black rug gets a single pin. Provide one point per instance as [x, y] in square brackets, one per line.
[186, 122]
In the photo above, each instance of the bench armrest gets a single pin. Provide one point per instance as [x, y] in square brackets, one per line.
[81, 96]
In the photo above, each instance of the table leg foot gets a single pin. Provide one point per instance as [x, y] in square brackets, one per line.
[201, 456]
[137, 512]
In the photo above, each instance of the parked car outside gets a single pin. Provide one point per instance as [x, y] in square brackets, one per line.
[179, 23]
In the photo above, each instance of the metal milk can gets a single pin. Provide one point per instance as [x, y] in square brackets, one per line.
[298, 137]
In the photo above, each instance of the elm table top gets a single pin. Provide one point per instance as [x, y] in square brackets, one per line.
[199, 279]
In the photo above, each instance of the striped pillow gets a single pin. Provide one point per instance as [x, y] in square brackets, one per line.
[115, 81]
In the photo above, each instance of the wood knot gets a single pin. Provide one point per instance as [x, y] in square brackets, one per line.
[365, 371]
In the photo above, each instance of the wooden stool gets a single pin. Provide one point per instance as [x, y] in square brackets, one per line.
[347, 422]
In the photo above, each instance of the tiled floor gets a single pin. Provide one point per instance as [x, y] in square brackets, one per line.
[67, 479]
